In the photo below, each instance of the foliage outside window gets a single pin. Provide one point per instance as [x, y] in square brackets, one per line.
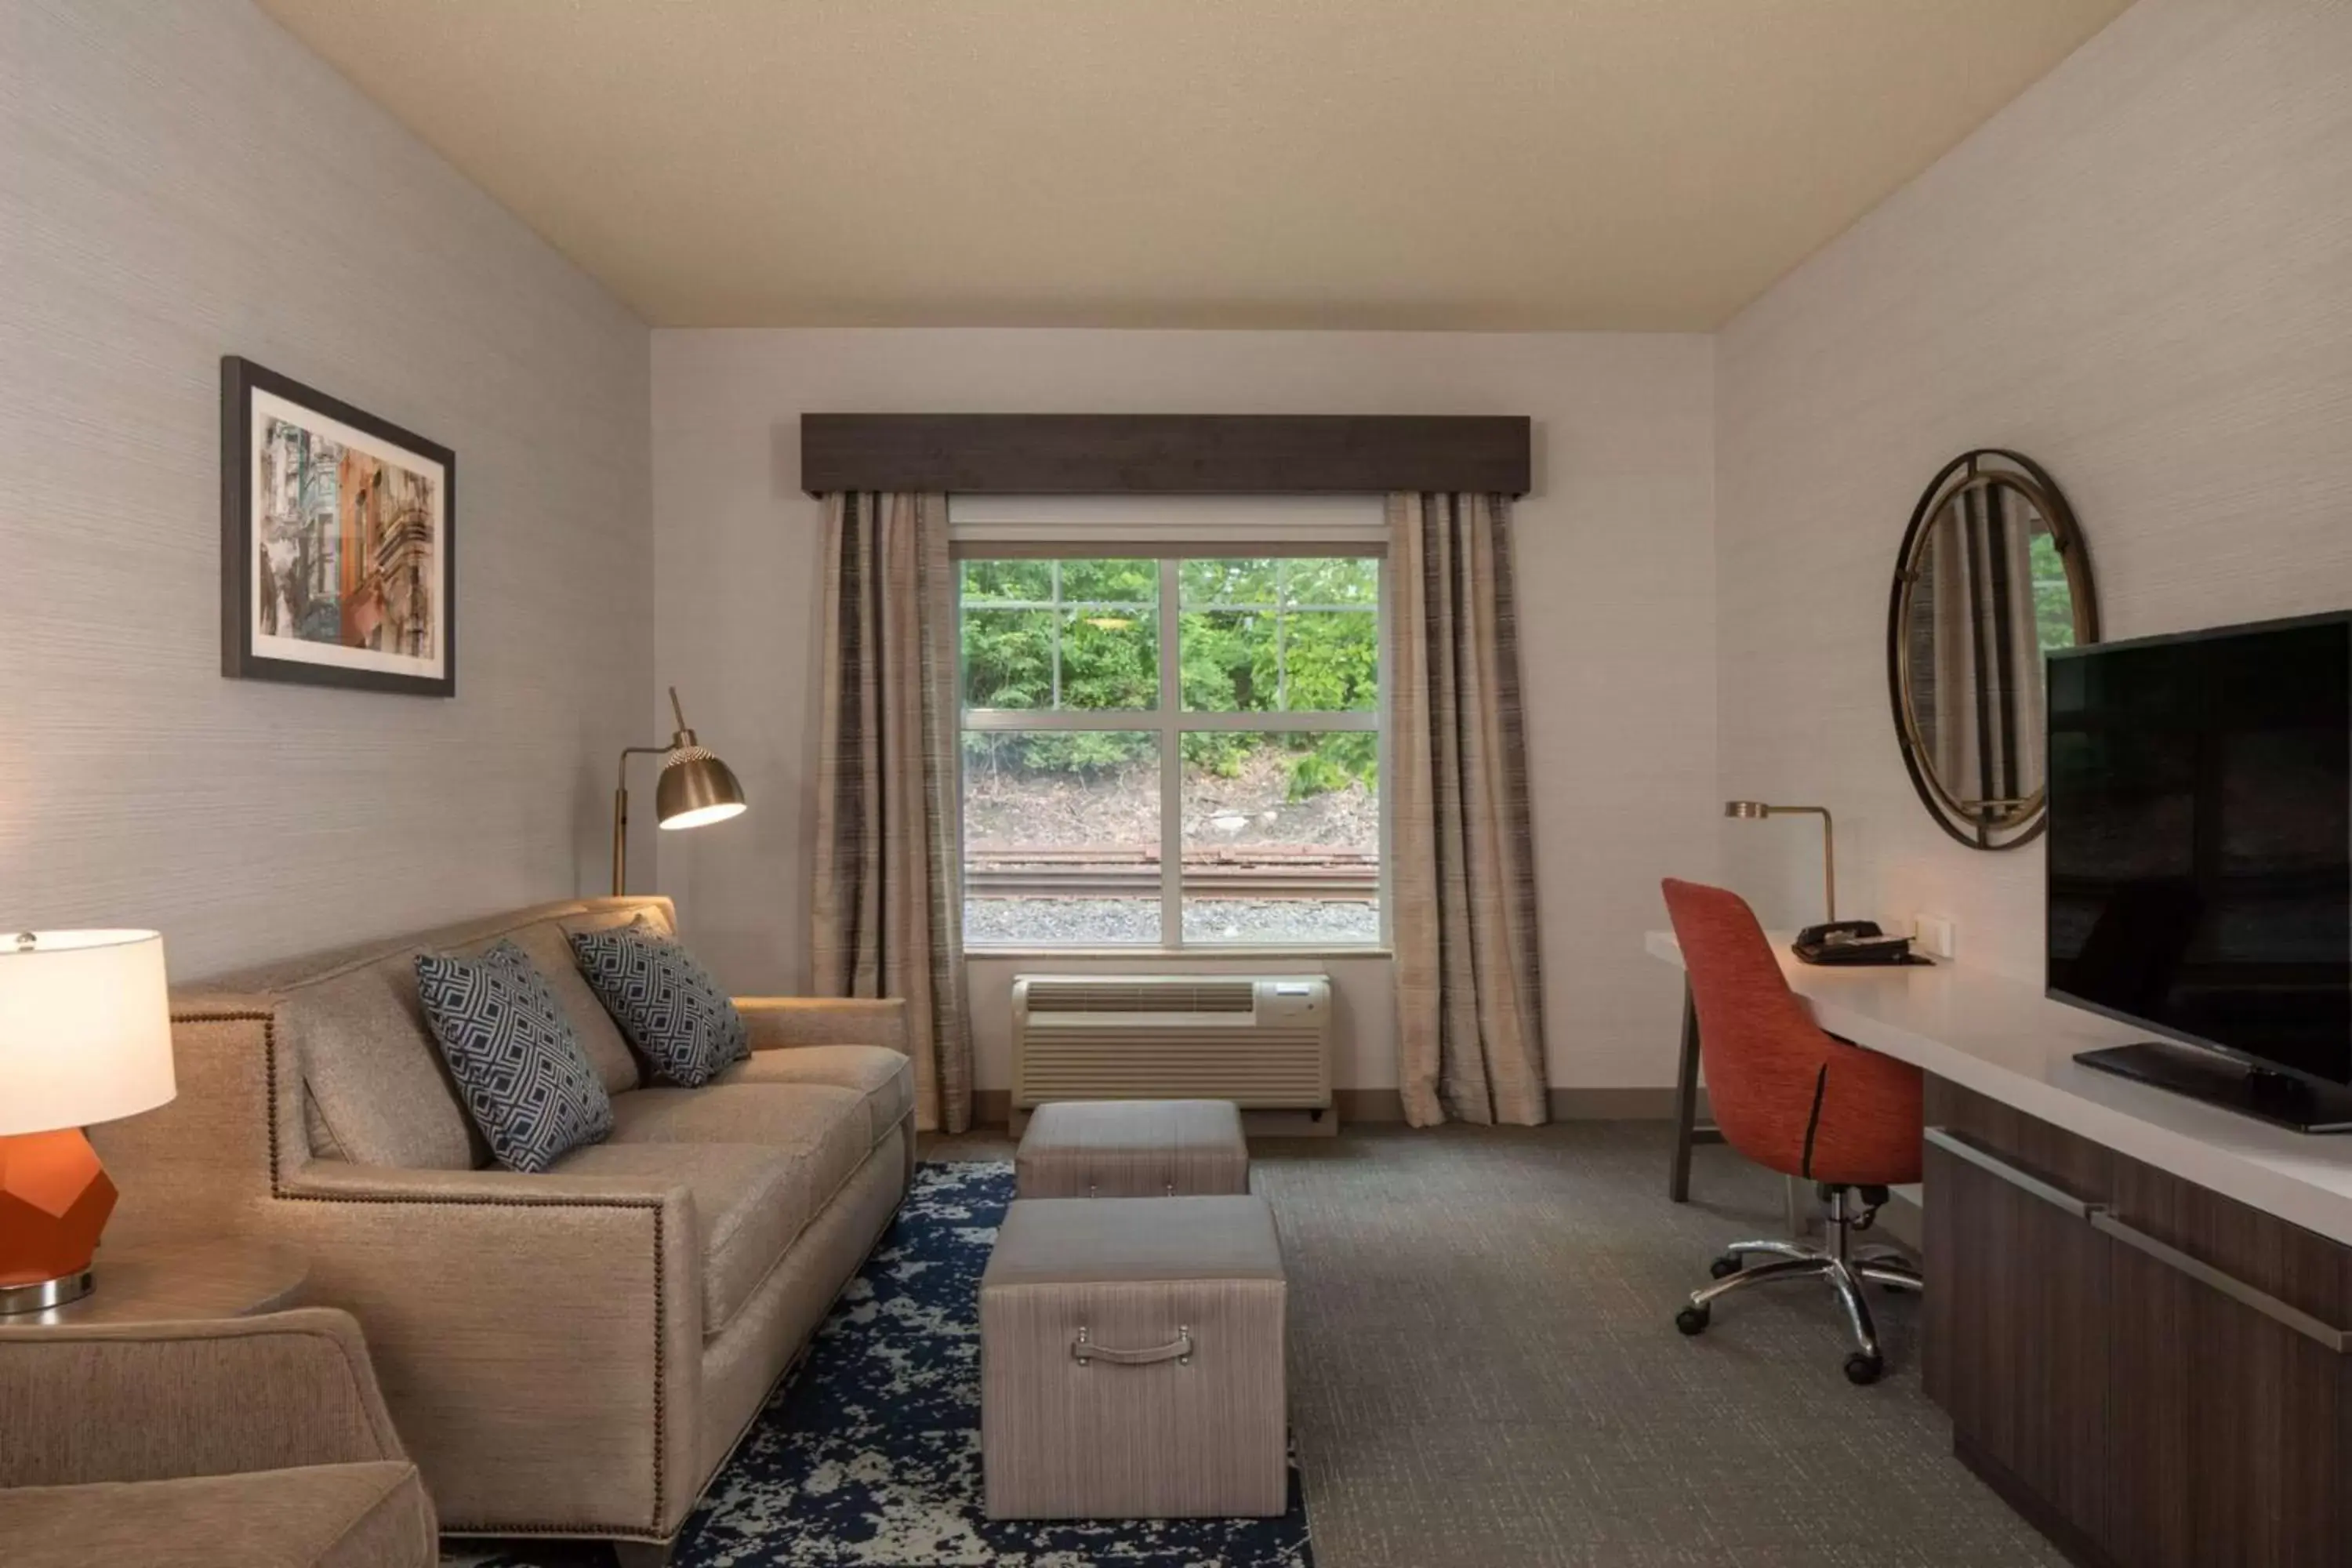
[1205, 777]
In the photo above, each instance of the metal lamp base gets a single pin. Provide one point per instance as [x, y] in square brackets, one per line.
[42, 1295]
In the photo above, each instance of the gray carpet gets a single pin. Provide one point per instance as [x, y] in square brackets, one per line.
[1485, 1372]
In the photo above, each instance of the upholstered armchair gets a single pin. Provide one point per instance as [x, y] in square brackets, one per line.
[171, 1445]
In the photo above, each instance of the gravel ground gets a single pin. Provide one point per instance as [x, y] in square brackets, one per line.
[1101, 922]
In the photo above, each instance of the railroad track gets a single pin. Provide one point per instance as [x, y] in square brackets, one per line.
[1271, 872]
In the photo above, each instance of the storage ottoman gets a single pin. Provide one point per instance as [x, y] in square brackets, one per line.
[1131, 1360]
[1132, 1149]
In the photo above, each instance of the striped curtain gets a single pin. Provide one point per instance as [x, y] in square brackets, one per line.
[887, 904]
[1469, 988]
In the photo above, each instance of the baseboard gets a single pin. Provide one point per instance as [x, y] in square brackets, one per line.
[1386, 1105]
[992, 1108]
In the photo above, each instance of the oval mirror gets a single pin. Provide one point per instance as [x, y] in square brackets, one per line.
[1993, 577]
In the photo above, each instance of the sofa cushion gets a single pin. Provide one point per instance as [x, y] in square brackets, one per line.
[383, 1092]
[368, 1515]
[513, 1054]
[750, 1203]
[821, 1128]
[549, 947]
[884, 1077]
[676, 1017]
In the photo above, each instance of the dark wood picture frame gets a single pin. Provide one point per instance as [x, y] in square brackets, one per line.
[241, 380]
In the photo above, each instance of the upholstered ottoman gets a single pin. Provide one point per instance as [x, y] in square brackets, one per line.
[1132, 1149]
[1131, 1360]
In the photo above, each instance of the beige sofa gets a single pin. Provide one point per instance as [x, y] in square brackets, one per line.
[570, 1354]
[255, 1440]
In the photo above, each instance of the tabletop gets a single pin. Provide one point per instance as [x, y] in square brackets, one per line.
[204, 1277]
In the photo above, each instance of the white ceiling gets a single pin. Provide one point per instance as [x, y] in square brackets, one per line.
[1384, 163]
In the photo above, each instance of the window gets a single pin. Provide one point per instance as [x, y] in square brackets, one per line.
[1171, 752]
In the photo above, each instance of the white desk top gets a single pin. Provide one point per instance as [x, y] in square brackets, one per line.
[2004, 1039]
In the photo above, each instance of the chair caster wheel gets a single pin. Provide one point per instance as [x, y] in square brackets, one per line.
[1726, 1265]
[1863, 1370]
[1692, 1319]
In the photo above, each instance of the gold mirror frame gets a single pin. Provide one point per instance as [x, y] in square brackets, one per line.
[1990, 825]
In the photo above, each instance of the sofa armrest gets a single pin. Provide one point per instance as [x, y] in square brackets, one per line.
[780, 1023]
[140, 1402]
[503, 1309]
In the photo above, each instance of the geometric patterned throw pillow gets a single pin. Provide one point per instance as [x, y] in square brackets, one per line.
[526, 1082]
[669, 1006]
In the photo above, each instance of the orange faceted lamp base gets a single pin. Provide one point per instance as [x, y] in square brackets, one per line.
[55, 1199]
[85, 1036]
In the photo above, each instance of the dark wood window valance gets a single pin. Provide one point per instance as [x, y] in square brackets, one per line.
[1163, 454]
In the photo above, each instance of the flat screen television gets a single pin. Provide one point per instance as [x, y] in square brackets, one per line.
[2199, 861]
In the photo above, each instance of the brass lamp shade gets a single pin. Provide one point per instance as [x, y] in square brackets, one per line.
[696, 788]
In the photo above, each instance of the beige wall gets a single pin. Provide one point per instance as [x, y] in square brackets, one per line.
[182, 180]
[2139, 274]
[1616, 559]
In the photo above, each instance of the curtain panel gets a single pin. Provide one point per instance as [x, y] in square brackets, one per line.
[887, 918]
[1469, 990]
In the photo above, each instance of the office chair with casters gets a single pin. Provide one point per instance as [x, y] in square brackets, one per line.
[1798, 1100]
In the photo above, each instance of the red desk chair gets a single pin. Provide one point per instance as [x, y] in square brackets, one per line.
[1798, 1100]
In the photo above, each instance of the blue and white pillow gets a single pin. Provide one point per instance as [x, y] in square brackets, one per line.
[526, 1082]
[667, 1005]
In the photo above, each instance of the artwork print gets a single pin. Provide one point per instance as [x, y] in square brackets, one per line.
[337, 542]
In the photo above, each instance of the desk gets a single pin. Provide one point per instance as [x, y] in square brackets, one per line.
[2003, 1039]
[2139, 1311]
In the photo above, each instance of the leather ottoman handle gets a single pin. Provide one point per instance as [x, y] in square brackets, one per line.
[1084, 1350]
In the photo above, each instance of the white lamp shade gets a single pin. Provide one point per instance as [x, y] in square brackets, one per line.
[85, 1028]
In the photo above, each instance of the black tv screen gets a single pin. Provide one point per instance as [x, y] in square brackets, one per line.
[2200, 854]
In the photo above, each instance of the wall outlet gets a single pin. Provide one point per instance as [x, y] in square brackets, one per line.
[1933, 935]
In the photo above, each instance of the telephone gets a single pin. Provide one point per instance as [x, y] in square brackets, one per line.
[1851, 941]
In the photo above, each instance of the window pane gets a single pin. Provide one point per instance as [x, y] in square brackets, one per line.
[1061, 838]
[1230, 661]
[1028, 581]
[1110, 658]
[1281, 636]
[1244, 583]
[1008, 658]
[1282, 837]
[1135, 584]
[1331, 660]
[1347, 580]
[1061, 633]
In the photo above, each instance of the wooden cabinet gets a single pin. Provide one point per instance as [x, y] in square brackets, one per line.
[2152, 1374]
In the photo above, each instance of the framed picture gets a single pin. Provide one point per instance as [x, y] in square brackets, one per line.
[338, 541]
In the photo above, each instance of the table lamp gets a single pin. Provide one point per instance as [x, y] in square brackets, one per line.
[85, 1036]
[696, 789]
[1753, 810]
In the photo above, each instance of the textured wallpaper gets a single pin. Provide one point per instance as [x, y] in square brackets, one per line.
[2140, 275]
[182, 180]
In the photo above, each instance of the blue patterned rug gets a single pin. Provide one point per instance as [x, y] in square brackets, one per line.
[868, 1456]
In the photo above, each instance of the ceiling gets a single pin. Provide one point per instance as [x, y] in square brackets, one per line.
[1507, 164]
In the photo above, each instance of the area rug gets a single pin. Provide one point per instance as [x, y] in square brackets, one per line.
[869, 1453]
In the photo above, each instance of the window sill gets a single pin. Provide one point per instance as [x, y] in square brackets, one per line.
[1166, 954]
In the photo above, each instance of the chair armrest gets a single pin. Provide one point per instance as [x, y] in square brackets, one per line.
[137, 1401]
[780, 1023]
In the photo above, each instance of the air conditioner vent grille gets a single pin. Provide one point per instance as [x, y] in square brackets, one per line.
[1260, 1040]
[1132, 996]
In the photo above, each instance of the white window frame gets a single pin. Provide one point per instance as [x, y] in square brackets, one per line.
[1170, 723]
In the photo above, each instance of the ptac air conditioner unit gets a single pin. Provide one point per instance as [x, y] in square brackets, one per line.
[1261, 1040]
